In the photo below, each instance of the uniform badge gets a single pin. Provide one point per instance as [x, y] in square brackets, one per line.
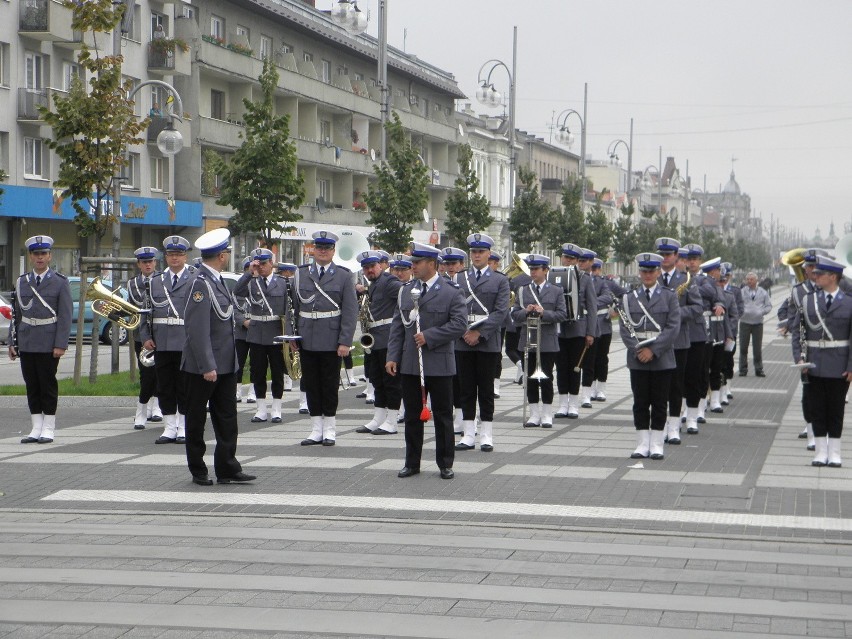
[198, 296]
[323, 234]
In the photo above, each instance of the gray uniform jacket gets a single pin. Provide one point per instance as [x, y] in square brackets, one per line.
[664, 310]
[168, 303]
[266, 306]
[691, 308]
[138, 292]
[383, 295]
[733, 314]
[492, 290]
[604, 294]
[325, 322]
[703, 329]
[552, 299]
[825, 336]
[38, 326]
[754, 310]
[514, 284]
[588, 322]
[787, 310]
[242, 309]
[209, 324]
[443, 319]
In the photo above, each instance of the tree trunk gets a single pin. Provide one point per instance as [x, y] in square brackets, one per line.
[93, 359]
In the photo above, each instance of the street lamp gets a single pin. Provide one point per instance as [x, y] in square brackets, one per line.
[679, 188]
[565, 137]
[612, 152]
[349, 16]
[645, 184]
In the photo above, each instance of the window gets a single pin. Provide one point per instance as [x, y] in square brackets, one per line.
[309, 57]
[35, 69]
[188, 12]
[242, 32]
[131, 172]
[286, 48]
[265, 47]
[324, 189]
[217, 104]
[326, 71]
[70, 70]
[158, 25]
[359, 77]
[217, 27]
[33, 158]
[325, 131]
[159, 174]
[159, 97]
[137, 106]
[4, 64]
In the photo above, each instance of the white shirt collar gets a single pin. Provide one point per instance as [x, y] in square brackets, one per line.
[212, 272]
[432, 281]
[652, 290]
[179, 273]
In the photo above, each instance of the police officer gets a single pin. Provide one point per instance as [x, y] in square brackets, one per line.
[167, 335]
[328, 312]
[720, 335]
[513, 333]
[38, 334]
[442, 315]
[453, 261]
[735, 304]
[242, 319]
[381, 302]
[574, 337]
[825, 357]
[648, 330]
[139, 294]
[691, 308]
[545, 301]
[210, 364]
[600, 363]
[267, 298]
[494, 264]
[479, 350]
[603, 297]
[401, 267]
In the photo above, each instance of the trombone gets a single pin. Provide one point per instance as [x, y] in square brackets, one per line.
[533, 327]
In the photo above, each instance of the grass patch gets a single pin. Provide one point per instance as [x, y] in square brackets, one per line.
[118, 385]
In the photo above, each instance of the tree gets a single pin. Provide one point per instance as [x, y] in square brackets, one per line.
[398, 197]
[261, 182]
[624, 241]
[532, 219]
[569, 225]
[467, 210]
[93, 126]
[598, 230]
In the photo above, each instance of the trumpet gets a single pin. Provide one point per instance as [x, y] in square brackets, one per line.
[113, 307]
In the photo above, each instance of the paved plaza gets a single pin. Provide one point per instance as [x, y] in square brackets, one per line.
[555, 532]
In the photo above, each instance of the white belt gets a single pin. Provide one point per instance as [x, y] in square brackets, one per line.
[603, 311]
[171, 321]
[378, 323]
[476, 318]
[38, 322]
[264, 318]
[646, 334]
[718, 318]
[828, 343]
[707, 313]
[319, 314]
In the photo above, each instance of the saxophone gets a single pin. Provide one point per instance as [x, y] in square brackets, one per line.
[680, 290]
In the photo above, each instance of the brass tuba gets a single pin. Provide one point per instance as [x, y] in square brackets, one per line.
[113, 307]
[292, 357]
[795, 259]
[366, 340]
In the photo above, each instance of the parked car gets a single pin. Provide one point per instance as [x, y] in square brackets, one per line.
[5, 317]
[104, 326]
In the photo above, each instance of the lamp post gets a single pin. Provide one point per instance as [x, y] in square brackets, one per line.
[565, 137]
[645, 184]
[612, 152]
[680, 189]
[488, 96]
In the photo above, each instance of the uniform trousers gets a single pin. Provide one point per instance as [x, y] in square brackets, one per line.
[806, 400]
[456, 387]
[320, 378]
[513, 338]
[39, 371]
[263, 356]
[678, 380]
[827, 397]
[439, 389]
[695, 380]
[171, 382]
[589, 360]
[242, 347]
[602, 345]
[567, 380]
[475, 372]
[221, 396]
[716, 355]
[728, 364]
[147, 377]
[650, 397]
[498, 368]
[387, 388]
[545, 386]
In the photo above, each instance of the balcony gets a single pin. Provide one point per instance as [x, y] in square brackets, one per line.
[165, 60]
[45, 20]
[218, 133]
[311, 152]
[29, 101]
[228, 62]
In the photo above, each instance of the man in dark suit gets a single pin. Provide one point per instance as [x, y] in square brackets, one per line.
[442, 315]
[209, 364]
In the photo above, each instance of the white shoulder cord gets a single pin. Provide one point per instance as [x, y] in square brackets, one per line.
[645, 311]
[262, 295]
[18, 291]
[217, 308]
[303, 300]
[40, 299]
[821, 325]
[473, 296]
[412, 315]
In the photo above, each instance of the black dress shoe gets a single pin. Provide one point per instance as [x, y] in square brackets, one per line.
[180, 440]
[701, 420]
[803, 434]
[531, 425]
[45, 440]
[486, 448]
[275, 420]
[363, 429]
[251, 400]
[760, 374]
[155, 418]
[162, 439]
[310, 442]
[461, 446]
[717, 410]
[382, 431]
[657, 456]
[743, 373]
[546, 425]
[328, 442]
[257, 420]
[674, 441]
[408, 472]
[239, 477]
[29, 440]
[560, 414]
[447, 473]
[202, 480]
[370, 401]
[361, 396]
[303, 411]
[138, 426]
[812, 447]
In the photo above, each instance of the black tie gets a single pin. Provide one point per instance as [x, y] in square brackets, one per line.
[322, 271]
[828, 301]
[263, 283]
[38, 280]
[174, 280]
[752, 297]
[478, 275]
[666, 278]
[648, 294]
[537, 289]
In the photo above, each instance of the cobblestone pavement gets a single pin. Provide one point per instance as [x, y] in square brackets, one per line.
[733, 533]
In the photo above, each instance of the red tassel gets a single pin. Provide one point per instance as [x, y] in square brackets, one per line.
[425, 414]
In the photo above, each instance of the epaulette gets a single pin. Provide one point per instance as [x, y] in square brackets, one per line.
[191, 269]
[23, 275]
[500, 273]
[64, 277]
[304, 265]
[343, 268]
[408, 283]
[452, 283]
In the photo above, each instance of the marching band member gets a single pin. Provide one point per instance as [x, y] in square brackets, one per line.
[826, 313]
[401, 267]
[513, 351]
[267, 298]
[690, 307]
[546, 301]
[382, 299]
[650, 312]
[585, 263]
[453, 260]
[734, 301]
[443, 319]
[494, 264]
[479, 350]
[209, 364]
[242, 320]
[719, 336]
[138, 294]
[167, 335]
[328, 312]
[600, 365]
[38, 334]
[574, 336]
[287, 270]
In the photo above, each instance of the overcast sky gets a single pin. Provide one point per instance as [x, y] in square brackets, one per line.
[765, 81]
